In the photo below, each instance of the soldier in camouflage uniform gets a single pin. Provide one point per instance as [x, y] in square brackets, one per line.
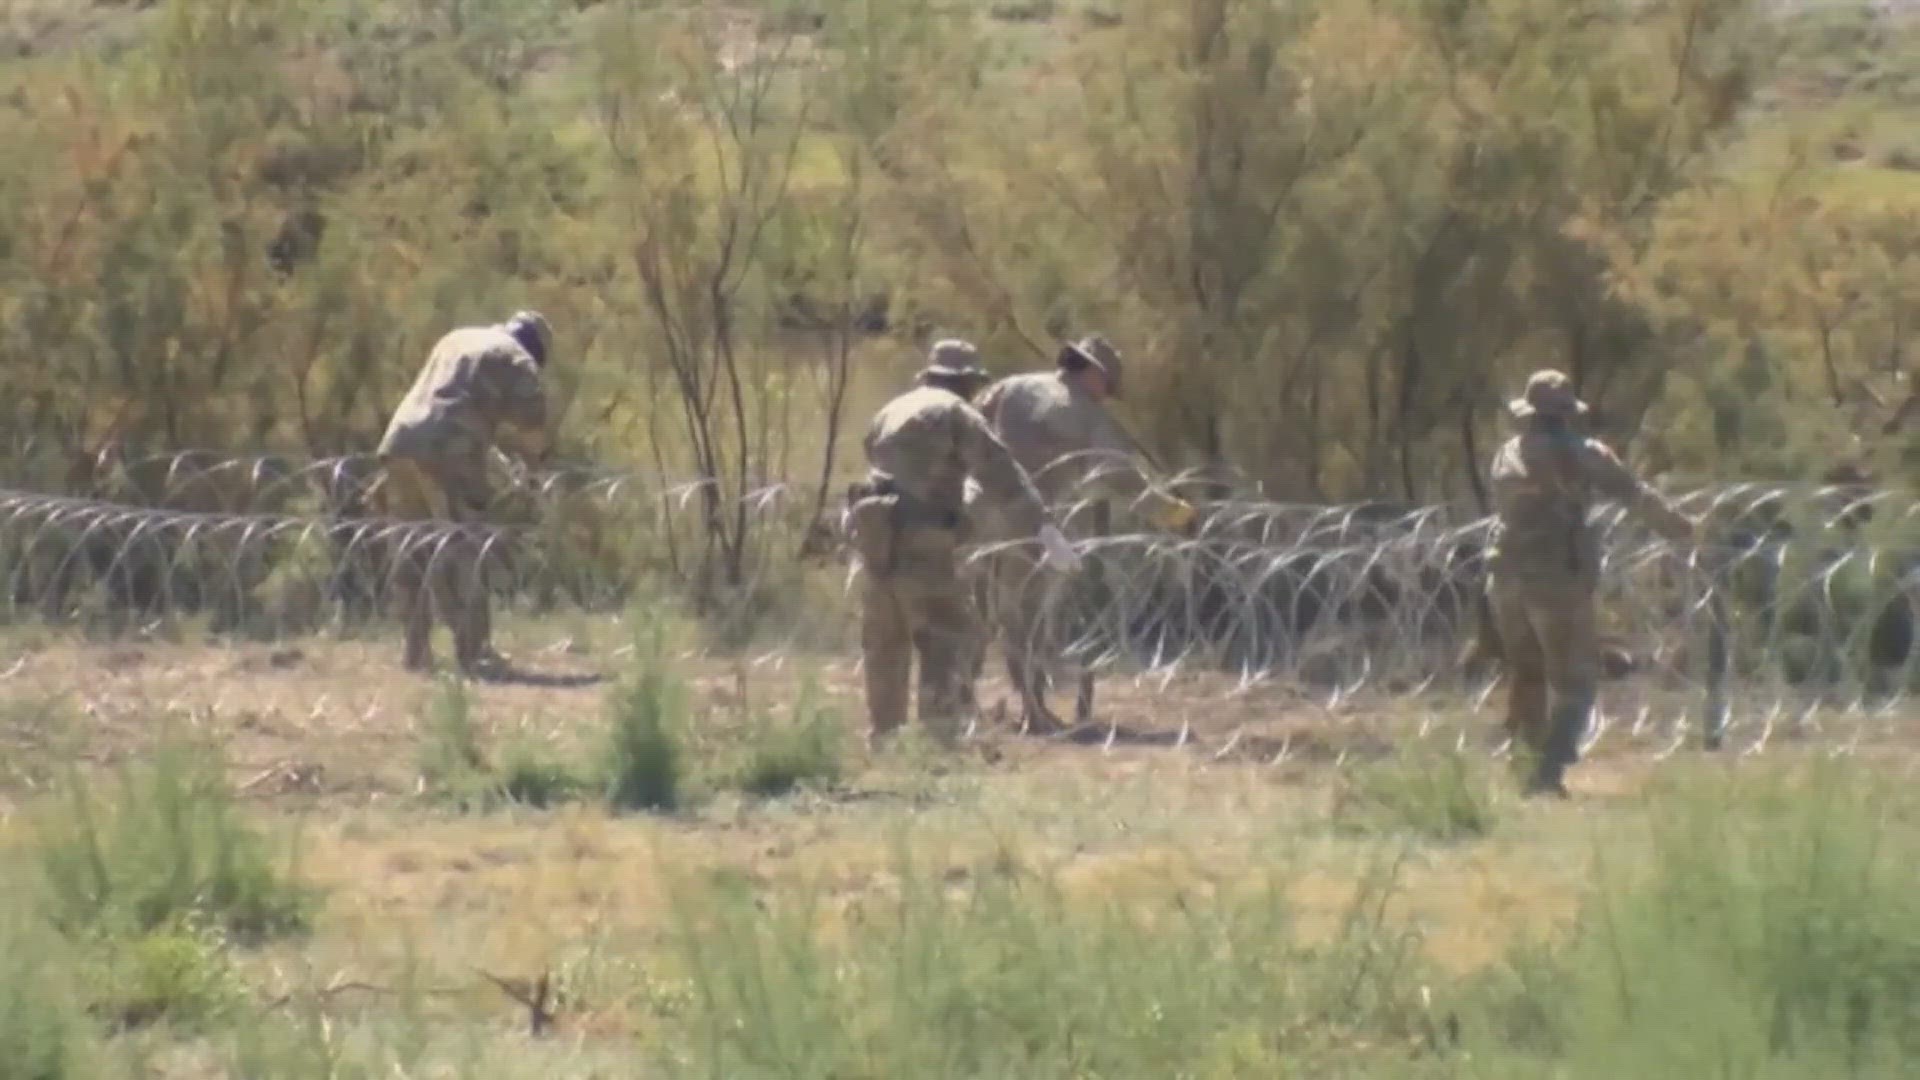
[1544, 567]
[906, 523]
[1057, 426]
[481, 386]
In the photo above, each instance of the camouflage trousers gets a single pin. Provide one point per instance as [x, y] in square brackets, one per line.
[1547, 629]
[438, 572]
[1015, 595]
[915, 603]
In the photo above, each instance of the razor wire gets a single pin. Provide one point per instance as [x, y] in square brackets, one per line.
[276, 575]
[1798, 607]
[270, 483]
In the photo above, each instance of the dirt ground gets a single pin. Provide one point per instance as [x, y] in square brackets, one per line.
[336, 723]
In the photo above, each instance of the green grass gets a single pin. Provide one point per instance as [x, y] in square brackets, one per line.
[642, 759]
[1428, 794]
[806, 747]
[1755, 927]
[45, 1033]
[532, 779]
[167, 846]
[453, 763]
[1752, 919]
[183, 977]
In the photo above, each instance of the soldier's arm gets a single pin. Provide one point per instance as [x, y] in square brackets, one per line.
[518, 399]
[1119, 471]
[987, 402]
[1000, 476]
[1612, 477]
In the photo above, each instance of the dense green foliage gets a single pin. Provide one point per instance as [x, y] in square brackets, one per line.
[1331, 236]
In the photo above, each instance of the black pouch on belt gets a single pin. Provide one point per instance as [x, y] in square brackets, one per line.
[872, 519]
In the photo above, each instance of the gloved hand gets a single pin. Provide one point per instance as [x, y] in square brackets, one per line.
[540, 453]
[534, 446]
[510, 466]
[1175, 515]
[1060, 553]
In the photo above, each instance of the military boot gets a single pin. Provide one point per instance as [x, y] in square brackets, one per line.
[1547, 781]
[1568, 720]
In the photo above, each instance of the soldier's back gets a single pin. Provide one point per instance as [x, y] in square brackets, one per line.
[1037, 416]
[441, 404]
[913, 432]
[1043, 421]
[1543, 494]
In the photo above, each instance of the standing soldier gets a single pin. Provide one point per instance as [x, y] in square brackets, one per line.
[1544, 567]
[480, 383]
[905, 521]
[1057, 426]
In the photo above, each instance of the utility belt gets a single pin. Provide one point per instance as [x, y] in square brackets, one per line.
[1568, 549]
[906, 510]
[879, 512]
[404, 480]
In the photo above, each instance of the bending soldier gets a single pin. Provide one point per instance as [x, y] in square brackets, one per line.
[906, 523]
[1544, 567]
[1057, 426]
[480, 386]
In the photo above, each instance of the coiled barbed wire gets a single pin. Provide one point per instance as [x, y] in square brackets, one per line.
[215, 481]
[1800, 604]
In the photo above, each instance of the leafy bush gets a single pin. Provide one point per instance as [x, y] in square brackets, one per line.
[168, 846]
[1757, 927]
[528, 778]
[1000, 972]
[178, 975]
[44, 1032]
[1429, 792]
[809, 746]
[452, 762]
[642, 761]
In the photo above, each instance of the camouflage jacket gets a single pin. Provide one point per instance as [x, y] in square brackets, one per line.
[1545, 482]
[476, 381]
[1043, 419]
[929, 441]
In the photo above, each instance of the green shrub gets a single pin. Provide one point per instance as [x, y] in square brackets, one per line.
[44, 1033]
[1000, 972]
[1763, 928]
[168, 846]
[1431, 793]
[459, 772]
[642, 758]
[807, 747]
[530, 779]
[452, 761]
[175, 974]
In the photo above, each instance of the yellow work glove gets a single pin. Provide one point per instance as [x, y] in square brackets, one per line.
[1174, 515]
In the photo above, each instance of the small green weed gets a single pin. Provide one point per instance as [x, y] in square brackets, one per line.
[529, 779]
[452, 761]
[178, 974]
[44, 1032]
[807, 747]
[167, 846]
[1435, 794]
[643, 757]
